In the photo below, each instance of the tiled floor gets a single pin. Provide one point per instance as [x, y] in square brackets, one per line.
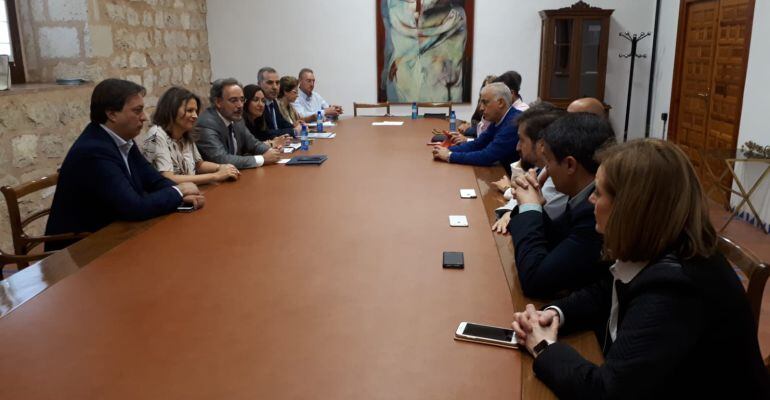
[758, 242]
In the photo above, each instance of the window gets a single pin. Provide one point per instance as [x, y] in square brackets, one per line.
[10, 40]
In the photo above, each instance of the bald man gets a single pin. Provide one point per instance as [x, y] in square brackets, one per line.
[589, 105]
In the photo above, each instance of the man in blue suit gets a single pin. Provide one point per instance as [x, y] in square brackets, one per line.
[104, 178]
[498, 143]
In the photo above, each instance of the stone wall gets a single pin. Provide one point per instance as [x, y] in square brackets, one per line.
[156, 43]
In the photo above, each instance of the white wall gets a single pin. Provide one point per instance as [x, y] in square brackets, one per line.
[756, 94]
[337, 39]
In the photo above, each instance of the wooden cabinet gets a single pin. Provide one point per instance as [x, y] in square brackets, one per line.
[573, 53]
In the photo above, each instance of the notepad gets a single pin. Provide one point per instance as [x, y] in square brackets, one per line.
[388, 123]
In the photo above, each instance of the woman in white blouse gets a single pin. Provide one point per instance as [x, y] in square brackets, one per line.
[169, 146]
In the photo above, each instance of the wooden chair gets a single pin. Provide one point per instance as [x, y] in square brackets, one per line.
[755, 270]
[436, 105]
[22, 242]
[385, 105]
[6, 259]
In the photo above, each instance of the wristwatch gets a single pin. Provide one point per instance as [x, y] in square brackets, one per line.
[540, 347]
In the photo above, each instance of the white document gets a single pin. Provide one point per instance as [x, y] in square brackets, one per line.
[458, 220]
[388, 123]
[322, 135]
[467, 193]
[283, 161]
[295, 146]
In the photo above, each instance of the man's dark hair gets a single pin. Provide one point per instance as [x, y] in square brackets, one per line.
[580, 135]
[168, 106]
[512, 79]
[262, 71]
[537, 117]
[111, 95]
[218, 88]
[304, 71]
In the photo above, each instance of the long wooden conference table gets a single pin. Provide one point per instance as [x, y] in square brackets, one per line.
[314, 282]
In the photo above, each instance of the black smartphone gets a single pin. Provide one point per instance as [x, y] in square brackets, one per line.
[454, 259]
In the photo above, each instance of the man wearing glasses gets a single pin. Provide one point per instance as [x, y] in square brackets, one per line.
[222, 134]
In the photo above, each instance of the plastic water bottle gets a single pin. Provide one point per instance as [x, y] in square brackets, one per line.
[304, 142]
[319, 122]
[452, 122]
[414, 110]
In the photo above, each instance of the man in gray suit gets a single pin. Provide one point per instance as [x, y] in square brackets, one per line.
[222, 135]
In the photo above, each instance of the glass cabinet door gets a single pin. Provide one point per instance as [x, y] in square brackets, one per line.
[591, 33]
[562, 42]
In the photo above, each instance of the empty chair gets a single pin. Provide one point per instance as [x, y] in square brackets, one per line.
[384, 105]
[446, 105]
[23, 243]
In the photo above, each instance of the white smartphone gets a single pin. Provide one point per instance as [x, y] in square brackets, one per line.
[458, 220]
[486, 334]
[467, 193]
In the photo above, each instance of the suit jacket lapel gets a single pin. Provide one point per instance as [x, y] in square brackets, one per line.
[104, 135]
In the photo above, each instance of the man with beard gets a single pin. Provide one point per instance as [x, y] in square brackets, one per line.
[222, 134]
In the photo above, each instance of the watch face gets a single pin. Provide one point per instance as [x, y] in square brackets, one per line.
[540, 346]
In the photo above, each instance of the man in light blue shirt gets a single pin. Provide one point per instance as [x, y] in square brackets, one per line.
[309, 103]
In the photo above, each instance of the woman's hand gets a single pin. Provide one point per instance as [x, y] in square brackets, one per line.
[533, 326]
[227, 171]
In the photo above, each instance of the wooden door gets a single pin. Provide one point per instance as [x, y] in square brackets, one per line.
[710, 72]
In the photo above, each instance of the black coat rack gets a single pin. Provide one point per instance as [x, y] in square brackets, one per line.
[634, 39]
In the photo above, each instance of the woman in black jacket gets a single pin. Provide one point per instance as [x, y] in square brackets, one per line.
[673, 319]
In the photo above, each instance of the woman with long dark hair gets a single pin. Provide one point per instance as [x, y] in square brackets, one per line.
[169, 146]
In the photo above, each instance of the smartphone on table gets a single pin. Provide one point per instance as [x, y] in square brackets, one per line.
[486, 334]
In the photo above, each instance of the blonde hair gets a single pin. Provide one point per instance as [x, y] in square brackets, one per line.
[658, 203]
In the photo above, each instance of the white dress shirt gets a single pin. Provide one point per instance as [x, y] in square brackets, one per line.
[310, 105]
[123, 145]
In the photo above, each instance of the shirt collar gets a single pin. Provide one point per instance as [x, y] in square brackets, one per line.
[224, 120]
[503, 118]
[306, 96]
[582, 195]
[123, 145]
[626, 271]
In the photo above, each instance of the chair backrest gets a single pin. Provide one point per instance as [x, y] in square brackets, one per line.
[755, 270]
[447, 105]
[385, 105]
[22, 243]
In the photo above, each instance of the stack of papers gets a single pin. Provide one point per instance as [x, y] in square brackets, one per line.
[388, 123]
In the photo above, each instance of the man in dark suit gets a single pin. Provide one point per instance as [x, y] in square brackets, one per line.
[270, 82]
[104, 177]
[222, 135]
[563, 254]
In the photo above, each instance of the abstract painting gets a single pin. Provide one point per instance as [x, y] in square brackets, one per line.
[424, 50]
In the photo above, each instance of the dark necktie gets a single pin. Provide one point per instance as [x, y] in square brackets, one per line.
[233, 144]
[272, 115]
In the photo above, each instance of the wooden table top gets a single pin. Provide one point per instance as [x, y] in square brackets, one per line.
[295, 282]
